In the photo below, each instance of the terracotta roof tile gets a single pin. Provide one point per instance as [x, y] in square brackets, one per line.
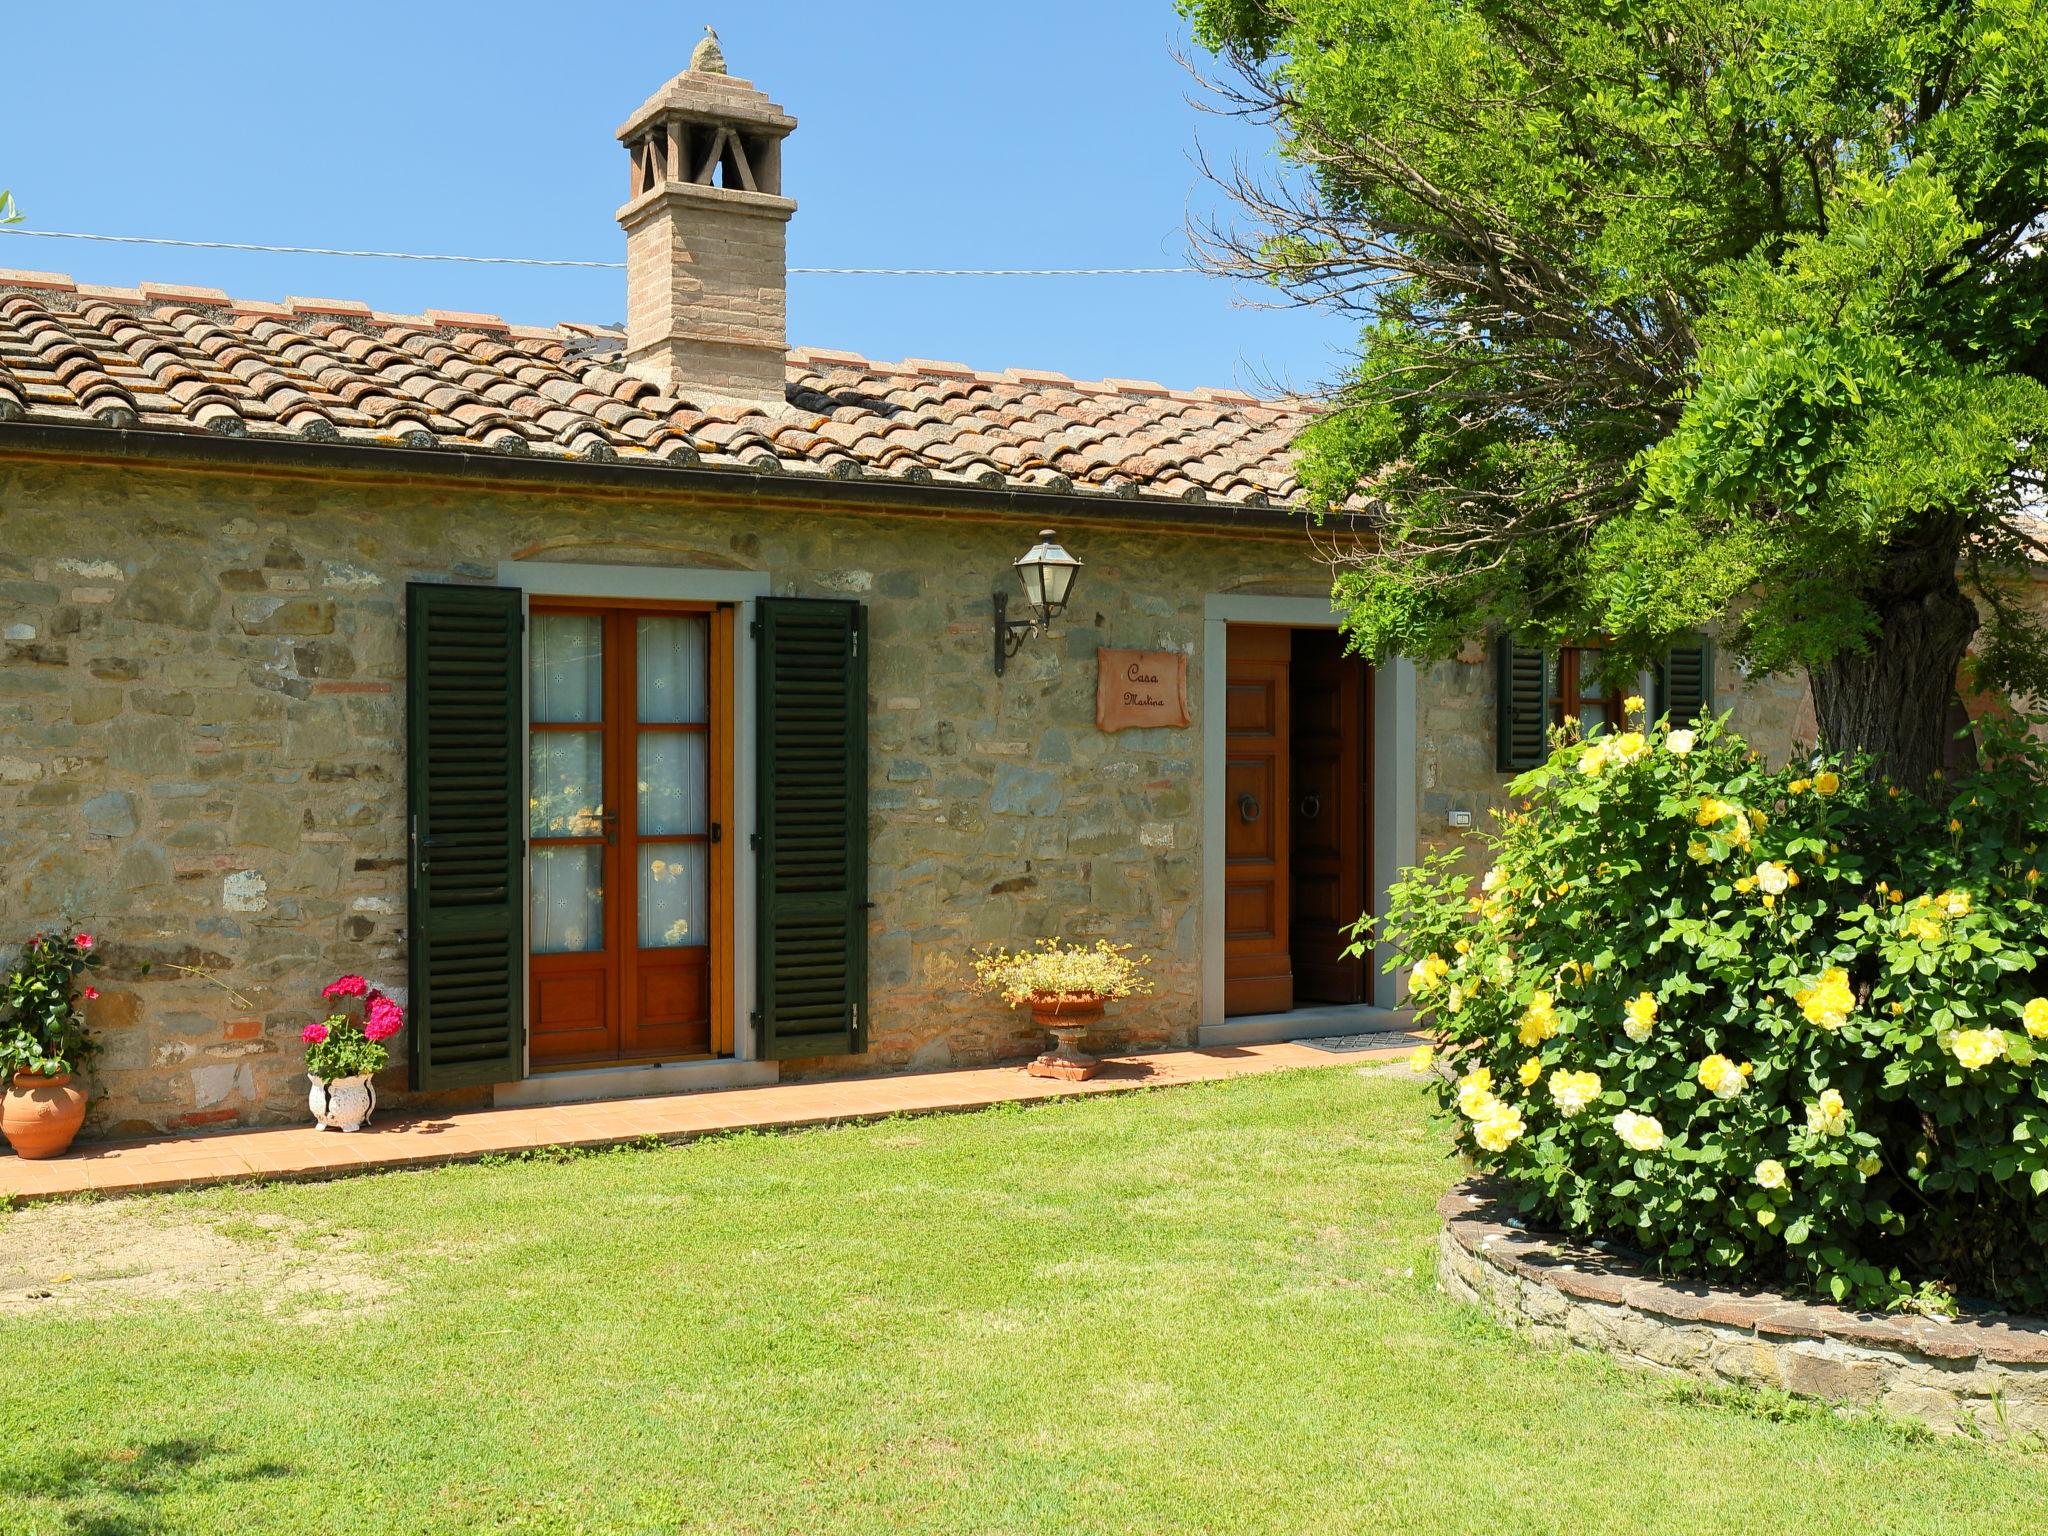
[173, 358]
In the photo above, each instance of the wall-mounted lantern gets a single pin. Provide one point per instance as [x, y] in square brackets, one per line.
[1047, 572]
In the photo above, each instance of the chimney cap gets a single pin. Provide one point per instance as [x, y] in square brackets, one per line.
[709, 98]
[707, 58]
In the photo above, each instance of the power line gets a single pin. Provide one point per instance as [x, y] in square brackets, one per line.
[614, 266]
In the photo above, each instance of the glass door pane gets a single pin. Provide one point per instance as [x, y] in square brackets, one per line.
[565, 781]
[565, 784]
[673, 881]
[565, 668]
[674, 788]
[674, 670]
[566, 906]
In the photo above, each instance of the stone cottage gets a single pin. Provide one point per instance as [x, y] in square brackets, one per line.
[660, 708]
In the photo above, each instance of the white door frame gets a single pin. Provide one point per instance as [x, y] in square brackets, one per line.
[1393, 774]
[689, 584]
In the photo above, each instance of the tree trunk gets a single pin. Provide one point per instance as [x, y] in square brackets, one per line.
[1893, 700]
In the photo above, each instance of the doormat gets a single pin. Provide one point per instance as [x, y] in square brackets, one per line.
[1379, 1041]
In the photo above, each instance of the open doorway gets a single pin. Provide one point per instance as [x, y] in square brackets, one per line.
[1298, 819]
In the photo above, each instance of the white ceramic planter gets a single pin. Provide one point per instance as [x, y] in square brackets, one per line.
[342, 1105]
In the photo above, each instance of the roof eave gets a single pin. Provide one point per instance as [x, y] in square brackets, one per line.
[246, 455]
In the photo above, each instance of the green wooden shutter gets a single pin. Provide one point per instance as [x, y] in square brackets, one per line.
[1520, 673]
[466, 814]
[1685, 681]
[813, 842]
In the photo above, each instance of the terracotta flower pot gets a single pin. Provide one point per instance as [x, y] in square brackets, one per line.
[39, 1115]
[1068, 1019]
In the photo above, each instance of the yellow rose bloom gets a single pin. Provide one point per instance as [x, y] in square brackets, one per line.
[1499, 1130]
[1573, 1091]
[1977, 1048]
[1827, 1003]
[1639, 1017]
[1954, 903]
[1642, 1132]
[1773, 878]
[1530, 1071]
[1869, 1165]
[1633, 704]
[1539, 1020]
[1628, 746]
[1738, 832]
[1827, 1116]
[1427, 973]
[1421, 1057]
[1827, 783]
[1680, 742]
[2035, 1017]
[1712, 810]
[1770, 1173]
[1722, 1077]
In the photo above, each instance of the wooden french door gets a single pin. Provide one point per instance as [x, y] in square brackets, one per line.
[1331, 713]
[1258, 971]
[629, 784]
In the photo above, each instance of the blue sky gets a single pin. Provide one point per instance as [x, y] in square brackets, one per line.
[930, 134]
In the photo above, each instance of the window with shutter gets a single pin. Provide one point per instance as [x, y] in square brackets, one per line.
[1522, 675]
[465, 788]
[812, 886]
[1685, 681]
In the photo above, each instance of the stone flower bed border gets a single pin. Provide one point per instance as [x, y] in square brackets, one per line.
[1986, 1375]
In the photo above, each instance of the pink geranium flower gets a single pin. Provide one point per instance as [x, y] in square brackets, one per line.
[85, 941]
[345, 986]
[91, 993]
[313, 1034]
[382, 1018]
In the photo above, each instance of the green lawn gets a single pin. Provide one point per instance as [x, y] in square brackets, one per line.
[1203, 1309]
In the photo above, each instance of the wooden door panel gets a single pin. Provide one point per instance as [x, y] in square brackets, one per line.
[1254, 809]
[572, 1012]
[1258, 975]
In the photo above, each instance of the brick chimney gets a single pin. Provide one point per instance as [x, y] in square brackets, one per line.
[706, 263]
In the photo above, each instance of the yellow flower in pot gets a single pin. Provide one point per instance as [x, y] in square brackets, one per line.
[1066, 987]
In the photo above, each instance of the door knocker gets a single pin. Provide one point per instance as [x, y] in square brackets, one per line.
[1311, 807]
[1248, 807]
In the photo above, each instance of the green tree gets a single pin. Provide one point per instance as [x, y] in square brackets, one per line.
[1675, 313]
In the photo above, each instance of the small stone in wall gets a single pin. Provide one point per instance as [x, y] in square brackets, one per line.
[244, 891]
[110, 815]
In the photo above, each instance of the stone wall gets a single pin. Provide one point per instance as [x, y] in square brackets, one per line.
[201, 749]
[1984, 1376]
[202, 755]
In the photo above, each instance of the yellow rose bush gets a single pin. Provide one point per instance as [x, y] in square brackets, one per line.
[1772, 1023]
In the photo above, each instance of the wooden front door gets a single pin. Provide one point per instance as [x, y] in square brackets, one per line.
[1330, 711]
[1258, 974]
[628, 779]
